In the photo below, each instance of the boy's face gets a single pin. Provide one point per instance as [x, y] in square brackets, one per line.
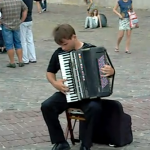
[68, 44]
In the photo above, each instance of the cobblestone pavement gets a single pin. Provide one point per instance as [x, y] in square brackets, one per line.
[23, 89]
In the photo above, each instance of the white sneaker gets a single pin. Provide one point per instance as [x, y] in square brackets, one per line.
[43, 9]
[111, 145]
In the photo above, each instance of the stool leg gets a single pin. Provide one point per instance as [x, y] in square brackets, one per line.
[75, 140]
[74, 123]
[70, 128]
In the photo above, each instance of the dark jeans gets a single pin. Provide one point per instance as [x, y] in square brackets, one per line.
[44, 4]
[1, 39]
[56, 104]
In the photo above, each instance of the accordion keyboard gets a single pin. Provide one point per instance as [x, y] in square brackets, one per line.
[67, 73]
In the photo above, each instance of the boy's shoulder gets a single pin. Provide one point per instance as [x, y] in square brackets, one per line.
[59, 50]
[88, 45]
[85, 45]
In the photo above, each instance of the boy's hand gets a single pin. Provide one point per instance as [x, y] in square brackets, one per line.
[59, 85]
[107, 70]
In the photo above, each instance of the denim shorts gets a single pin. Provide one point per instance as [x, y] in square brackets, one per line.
[11, 38]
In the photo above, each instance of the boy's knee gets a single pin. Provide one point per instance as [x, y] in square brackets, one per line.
[46, 106]
[43, 106]
[94, 107]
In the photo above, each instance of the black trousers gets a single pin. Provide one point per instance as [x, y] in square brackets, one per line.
[56, 104]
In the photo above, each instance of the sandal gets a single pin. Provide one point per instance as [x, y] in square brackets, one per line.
[20, 64]
[11, 65]
[116, 50]
[127, 52]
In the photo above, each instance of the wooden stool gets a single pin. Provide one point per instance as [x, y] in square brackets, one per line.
[76, 114]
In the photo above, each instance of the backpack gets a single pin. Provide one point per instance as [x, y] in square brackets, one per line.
[113, 127]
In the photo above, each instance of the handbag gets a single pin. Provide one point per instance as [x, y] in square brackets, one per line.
[133, 20]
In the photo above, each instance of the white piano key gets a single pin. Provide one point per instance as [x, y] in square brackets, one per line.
[66, 70]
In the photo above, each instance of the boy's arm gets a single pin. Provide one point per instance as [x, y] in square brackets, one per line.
[51, 77]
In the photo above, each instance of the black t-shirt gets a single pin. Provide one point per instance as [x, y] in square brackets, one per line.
[54, 65]
[29, 4]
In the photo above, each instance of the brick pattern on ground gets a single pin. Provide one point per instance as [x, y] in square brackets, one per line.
[22, 128]
[22, 90]
[28, 127]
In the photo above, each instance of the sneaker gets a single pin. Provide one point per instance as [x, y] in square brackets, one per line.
[32, 61]
[43, 9]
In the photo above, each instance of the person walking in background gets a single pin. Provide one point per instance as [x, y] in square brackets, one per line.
[11, 10]
[124, 23]
[39, 8]
[90, 5]
[27, 36]
[43, 4]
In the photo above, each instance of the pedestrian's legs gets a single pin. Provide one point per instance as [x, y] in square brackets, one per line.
[42, 4]
[30, 43]
[45, 4]
[1, 39]
[23, 37]
[120, 36]
[18, 47]
[128, 39]
[8, 39]
[38, 7]
[11, 53]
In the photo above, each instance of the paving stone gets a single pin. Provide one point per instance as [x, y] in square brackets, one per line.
[22, 90]
[38, 140]
[2, 139]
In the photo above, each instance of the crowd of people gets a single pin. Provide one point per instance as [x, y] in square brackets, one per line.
[19, 30]
[16, 31]
[93, 20]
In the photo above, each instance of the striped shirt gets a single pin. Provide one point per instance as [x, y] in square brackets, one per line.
[11, 11]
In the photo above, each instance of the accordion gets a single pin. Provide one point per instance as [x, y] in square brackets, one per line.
[82, 69]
